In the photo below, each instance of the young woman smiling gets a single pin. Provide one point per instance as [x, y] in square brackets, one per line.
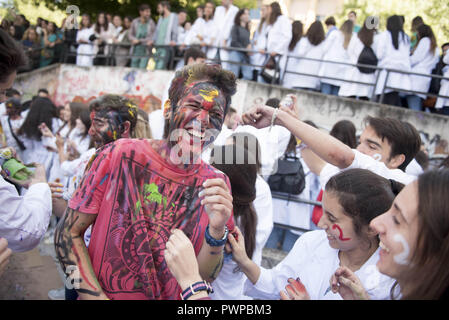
[351, 200]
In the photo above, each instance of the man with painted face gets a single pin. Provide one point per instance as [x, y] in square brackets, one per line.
[137, 191]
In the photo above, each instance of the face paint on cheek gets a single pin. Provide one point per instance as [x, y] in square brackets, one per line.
[402, 258]
[377, 156]
[336, 226]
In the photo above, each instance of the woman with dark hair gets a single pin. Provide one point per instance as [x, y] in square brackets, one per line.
[85, 48]
[123, 43]
[50, 39]
[240, 38]
[351, 200]
[104, 35]
[365, 38]
[259, 41]
[279, 35]
[42, 114]
[309, 46]
[393, 51]
[414, 237]
[345, 131]
[208, 33]
[416, 22]
[335, 49]
[242, 174]
[423, 59]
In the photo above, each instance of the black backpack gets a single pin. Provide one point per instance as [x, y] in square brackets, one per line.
[289, 178]
[367, 56]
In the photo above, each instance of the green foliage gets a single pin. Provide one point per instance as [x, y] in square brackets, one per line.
[434, 13]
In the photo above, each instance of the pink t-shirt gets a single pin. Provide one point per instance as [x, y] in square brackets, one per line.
[139, 199]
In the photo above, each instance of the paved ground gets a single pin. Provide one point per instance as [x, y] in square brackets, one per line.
[30, 275]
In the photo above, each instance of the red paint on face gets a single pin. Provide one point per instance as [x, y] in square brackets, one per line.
[336, 226]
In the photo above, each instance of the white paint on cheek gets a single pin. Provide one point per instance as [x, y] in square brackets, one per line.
[402, 258]
[377, 156]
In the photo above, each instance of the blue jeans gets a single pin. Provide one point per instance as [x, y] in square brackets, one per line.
[327, 88]
[281, 239]
[445, 111]
[414, 103]
[238, 56]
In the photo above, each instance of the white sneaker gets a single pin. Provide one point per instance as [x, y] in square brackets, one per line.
[57, 294]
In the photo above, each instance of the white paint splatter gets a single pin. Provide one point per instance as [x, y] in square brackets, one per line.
[402, 258]
[377, 156]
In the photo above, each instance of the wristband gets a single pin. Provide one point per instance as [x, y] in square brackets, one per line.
[275, 113]
[196, 288]
[214, 242]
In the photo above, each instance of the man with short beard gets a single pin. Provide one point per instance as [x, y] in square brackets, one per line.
[136, 192]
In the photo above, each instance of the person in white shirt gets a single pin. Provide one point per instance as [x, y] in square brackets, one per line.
[104, 34]
[23, 220]
[311, 45]
[224, 20]
[386, 150]
[195, 34]
[335, 49]
[85, 50]
[423, 60]
[11, 122]
[259, 41]
[393, 51]
[350, 201]
[279, 35]
[442, 104]
[366, 37]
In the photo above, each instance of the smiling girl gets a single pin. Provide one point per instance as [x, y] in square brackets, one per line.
[351, 200]
[414, 237]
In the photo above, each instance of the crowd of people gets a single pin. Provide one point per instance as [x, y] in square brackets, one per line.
[183, 210]
[260, 55]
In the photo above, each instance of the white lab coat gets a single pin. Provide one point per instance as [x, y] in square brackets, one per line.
[306, 49]
[389, 57]
[314, 261]
[279, 37]
[24, 220]
[259, 43]
[444, 89]
[230, 281]
[334, 51]
[423, 61]
[210, 34]
[347, 89]
[223, 20]
[87, 48]
[196, 30]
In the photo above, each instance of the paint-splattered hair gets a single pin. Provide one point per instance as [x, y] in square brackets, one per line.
[223, 79]
[126, 109]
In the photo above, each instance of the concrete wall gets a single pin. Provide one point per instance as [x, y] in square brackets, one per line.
[73, 83]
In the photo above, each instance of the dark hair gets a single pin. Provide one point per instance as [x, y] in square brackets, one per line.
[250, 143]
[84, 116]
[422, 159]
[143, 7]
[395, 26]
[366, 35]
[12, 92]
[273, 102]
[330, 21]
[275, 12]
[41, 110]
[13, 107]
[416, 22]
[345, 131]
[242, 177]
[165, 4]
[424, 31]
[402, 137]
[90, 20]
[75, 110]
[11, 56]
[42, 90]
[213, 11]
[352, 11]
[315, 33]
[126, 109]
[239, 14]
[98, 25]
[431, 256]
[223, 79]
[193, 52]
[297, 32]
[363, 195]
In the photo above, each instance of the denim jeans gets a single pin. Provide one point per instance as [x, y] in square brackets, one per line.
[327, 88]
[281, 239]
[414, 103]
[238, 56]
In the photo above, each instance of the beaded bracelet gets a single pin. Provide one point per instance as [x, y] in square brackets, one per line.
[196, 288]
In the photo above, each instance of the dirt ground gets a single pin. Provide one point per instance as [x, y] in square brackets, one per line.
[30, 275]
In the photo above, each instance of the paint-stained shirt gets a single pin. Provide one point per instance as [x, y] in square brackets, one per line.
[139, 198]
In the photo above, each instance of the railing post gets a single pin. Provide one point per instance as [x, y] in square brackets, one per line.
[373, 96]
[281, 81]
[385, 84]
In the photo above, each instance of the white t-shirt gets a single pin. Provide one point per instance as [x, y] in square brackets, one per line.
[314, 262]
[363, 161]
